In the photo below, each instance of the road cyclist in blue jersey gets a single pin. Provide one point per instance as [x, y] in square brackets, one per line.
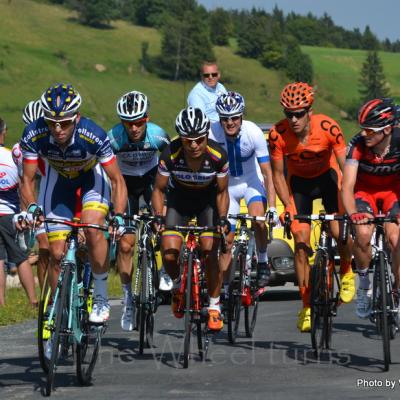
[137, 144]
[250, 176]
[77, 154]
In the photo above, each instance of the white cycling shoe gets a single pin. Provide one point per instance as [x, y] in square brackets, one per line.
[165, 281]
[100, 311]
[128, 317]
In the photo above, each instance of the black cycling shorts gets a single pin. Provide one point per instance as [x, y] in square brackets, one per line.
[8, 247]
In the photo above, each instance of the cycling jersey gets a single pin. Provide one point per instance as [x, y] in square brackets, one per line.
[18, 160]
[318, 155]
[9, 198]
[183, 178]
[137, 158]
[245, 151]
[375, 172]
[89, 145]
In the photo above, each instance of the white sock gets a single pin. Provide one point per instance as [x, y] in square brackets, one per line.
[100, 285]
[214, 303]
[363, 276]
[226, 290]
[262, 256]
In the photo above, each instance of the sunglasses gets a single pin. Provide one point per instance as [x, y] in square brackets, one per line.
[138, 123]
[63, 124]
[212, 74]
[297, 114]
[198, 140]
[233, 119]
[372, 131]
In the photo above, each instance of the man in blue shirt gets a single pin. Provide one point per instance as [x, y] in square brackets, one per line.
[205, 93]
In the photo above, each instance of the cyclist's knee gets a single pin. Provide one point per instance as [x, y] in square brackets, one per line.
[125, 247]
[303, 250]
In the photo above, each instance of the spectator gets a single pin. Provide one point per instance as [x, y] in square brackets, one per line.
[9, 206]
[205, 93]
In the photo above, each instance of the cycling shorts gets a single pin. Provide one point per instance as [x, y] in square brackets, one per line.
[59, 197]
[250, 188]
[182, 208]
[303, 191]
[9, 249]
[367, 201]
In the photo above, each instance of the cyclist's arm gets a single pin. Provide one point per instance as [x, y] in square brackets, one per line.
[279, 181]
[222, 200]
[157, 198]
[27, 187]
[341, 161]
[119, 191]
[349, 180]
[268, 183]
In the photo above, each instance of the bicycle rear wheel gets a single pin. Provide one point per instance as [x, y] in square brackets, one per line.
[250, 318]
[61, 323]
[235, 293]
[188, 314]
[331, 278]
[318, 303]
[43, 333]
[384, 325]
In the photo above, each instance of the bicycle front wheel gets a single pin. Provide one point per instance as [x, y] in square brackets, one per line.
[43, 332]
[188, 314]
[61, 323]
[143, 299]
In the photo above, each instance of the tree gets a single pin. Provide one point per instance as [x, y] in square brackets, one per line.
[369, 40]
[96, 13]
[221, 26]
[298, 65]
[372, 80]
[151, 12]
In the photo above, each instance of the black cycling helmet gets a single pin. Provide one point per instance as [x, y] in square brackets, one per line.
[192, 123]
[377, 113]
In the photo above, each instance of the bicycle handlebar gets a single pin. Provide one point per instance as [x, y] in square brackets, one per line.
[75, 224]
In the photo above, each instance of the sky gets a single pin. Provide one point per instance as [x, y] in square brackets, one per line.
[382, 16]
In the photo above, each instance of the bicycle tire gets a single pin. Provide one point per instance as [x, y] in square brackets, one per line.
[235, 293]
[45, 295]
[333, 300]
[317, 303]
[384, 314]
[188, 315]
[61, 318]
[87, 350]
[143, 300]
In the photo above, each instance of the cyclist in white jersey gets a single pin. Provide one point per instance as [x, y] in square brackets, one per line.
[250, 175]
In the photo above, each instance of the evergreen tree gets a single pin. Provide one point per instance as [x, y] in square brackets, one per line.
[221, 26]
[298, 65]
[96, 13]
[372, 80]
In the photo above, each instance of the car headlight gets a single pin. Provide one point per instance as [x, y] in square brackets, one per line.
[283, 262]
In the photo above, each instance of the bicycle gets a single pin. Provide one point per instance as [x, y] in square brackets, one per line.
[193, 291]
[384, 309]
[68, 319]
[244, 292]
[146, 283]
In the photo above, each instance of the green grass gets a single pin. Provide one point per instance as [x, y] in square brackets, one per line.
[41, 44]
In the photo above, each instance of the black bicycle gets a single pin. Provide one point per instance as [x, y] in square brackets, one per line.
[244, 293]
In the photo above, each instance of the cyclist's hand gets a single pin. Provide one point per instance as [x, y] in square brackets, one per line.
[285, 217]
[118, 225]
[272, 216]
[223, 225]
[359, 218]
[20, 221]
[158, 223]
[34, 215]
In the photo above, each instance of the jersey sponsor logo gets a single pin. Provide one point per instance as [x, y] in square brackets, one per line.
[380, 169]
[333, 130]
[193, 176]
[89, 136]
[32, 134]
[4, 181]
[3, 174]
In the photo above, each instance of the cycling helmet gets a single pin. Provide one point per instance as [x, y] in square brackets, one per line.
[297, 95]
[60, 101]
[32, 111]
[230, 104]
[133, 105]
[192, 122]
[377, 113]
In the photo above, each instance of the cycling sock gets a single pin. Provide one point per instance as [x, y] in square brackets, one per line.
[214, 303]
[262, 256]
[100, 285]
[363, 276]
[176, 283]
[345, 267]
[305, 296]
[127, 289]
[226, 290]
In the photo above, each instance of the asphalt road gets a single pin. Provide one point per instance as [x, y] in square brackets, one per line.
[277, 363]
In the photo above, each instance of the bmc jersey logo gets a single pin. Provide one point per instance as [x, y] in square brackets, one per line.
[381, 169]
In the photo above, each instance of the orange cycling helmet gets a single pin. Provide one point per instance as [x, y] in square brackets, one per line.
[297, 95]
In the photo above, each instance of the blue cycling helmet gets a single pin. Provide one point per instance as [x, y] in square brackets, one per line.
[230, 104]
[60, 101]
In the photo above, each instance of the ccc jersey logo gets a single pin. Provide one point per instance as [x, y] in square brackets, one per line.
[308, 155]
[333, 130]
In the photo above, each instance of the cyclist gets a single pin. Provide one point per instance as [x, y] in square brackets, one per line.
[32, 112]
[371, 174]
[249, 175]
[196, 170]
[78, 154]
[313, 147]
[136, 143]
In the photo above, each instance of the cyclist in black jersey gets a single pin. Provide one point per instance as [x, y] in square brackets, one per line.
[195, 169]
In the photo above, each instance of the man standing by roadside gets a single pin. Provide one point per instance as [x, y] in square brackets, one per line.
[206, 92]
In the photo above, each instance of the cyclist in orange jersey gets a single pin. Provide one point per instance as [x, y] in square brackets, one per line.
[313, 149]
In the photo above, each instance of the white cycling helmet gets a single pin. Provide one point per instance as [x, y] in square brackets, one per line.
[133, 105]
[32, 112]
[230, 104]
[192, 122]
